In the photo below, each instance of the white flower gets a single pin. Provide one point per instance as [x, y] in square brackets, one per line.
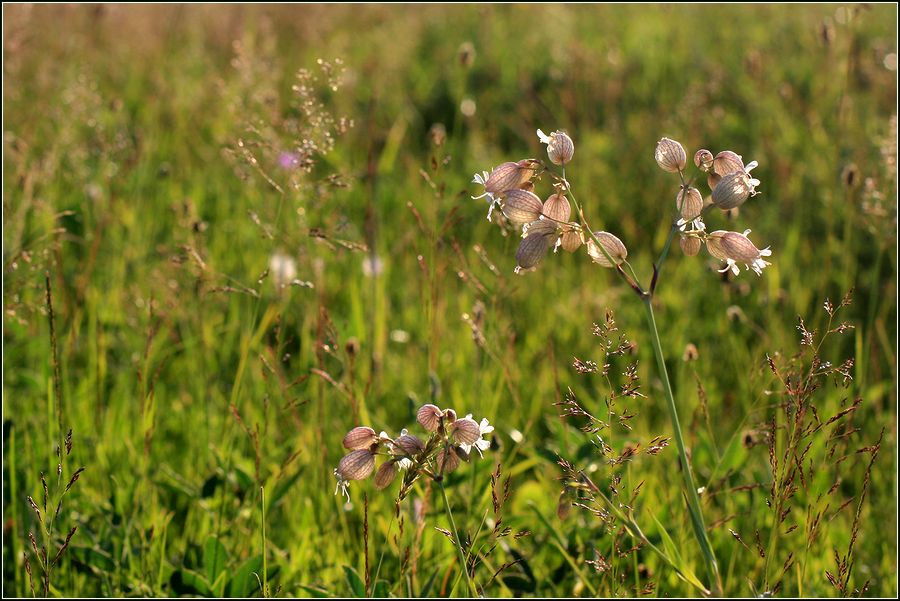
[482, 178]
[342, 486]
[283, 269]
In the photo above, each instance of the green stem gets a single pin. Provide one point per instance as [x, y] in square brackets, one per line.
[462, 559]
[693, 500]
[265, 570]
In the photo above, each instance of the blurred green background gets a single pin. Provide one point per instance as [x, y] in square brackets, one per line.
[149, 171]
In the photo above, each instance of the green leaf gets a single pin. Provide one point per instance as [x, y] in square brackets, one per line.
[428, 584]
[356, 584]
[243, 583]
[189, 582]
[281, 489]
[381, 590]
[674, 557]
[214, 558]
[315, 591]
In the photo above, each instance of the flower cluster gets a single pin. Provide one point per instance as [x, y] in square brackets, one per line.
[549, 223]
[546, 223]
[451, 440]
[731, 185]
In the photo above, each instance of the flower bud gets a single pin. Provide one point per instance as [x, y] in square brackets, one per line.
[557, 207]
[358, 438]
[449, 415]
[732, 190]
[690, 245]
[611, 244]
[727, 162]
[690, 203]
[703, 159]
[712, 180]
[410, 445]
[532, 249]
[447, 461]
[571, 240]
[670, 155]
[429, 416]
[465, 431]
[521, 206]
[560, 147]
[358, 465]
[386, 474]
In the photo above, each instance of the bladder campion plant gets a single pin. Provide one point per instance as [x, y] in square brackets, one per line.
[550, 223]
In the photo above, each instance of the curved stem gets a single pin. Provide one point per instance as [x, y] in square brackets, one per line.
[462, 559]
[693, 500]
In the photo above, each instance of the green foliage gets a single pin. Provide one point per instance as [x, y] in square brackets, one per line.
[141, 172]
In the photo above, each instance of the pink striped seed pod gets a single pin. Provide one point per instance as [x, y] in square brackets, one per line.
[465, 431]
[508, 176]
[560, 147]
[690, 245]
[386, 474]
[732, 245]
[611, 244]
[521, 206]
[670, 155]
[447, 461]
[557, 207]
[727, 162]
[532, 249]
[571, 240]
[732, 190]
[357, 465]
[704, 159]
[410, 445]
[361, 437]
[429, 416]
[690, 203]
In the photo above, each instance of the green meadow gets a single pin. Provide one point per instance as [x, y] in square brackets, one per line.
[231, 234]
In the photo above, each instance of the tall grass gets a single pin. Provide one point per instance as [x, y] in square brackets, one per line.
[207, 401]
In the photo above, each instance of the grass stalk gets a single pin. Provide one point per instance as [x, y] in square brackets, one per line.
[458, 542]
[693, 500]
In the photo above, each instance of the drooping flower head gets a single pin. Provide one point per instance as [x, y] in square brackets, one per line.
[734, 248]
[507, 176]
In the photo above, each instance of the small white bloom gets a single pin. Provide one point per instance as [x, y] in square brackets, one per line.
[342, 486]
[482, 178]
